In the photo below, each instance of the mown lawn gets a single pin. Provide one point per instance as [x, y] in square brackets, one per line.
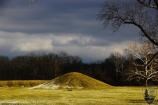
[109, 96]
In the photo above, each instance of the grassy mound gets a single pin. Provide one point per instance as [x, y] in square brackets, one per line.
[73, 80]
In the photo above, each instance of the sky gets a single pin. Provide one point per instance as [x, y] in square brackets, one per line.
[46, 26]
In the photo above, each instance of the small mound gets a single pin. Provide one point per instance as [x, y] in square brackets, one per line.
[73, 80]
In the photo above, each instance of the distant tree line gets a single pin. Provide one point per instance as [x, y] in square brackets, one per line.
[112, 70]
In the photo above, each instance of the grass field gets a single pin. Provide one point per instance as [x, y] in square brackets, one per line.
[109, 96]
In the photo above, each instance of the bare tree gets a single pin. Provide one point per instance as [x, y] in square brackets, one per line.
[132, 13]
[149, 3]
[139, 13]
[118, 61]
[141, 70]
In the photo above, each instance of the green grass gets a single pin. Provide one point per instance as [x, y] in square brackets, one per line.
[109, 96]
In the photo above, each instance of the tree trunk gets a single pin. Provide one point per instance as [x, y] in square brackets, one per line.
[146, 83]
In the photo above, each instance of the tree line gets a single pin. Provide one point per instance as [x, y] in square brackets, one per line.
[112, 70]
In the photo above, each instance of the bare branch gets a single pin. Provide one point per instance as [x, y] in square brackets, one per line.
[153, 73]
[152, 59]
[149, 3]
[143, 31]
[136, 16]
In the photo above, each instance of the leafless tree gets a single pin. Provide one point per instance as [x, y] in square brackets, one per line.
[133, 13]
[139, 13]
[149, 3]
[142, 71]
[119, 61]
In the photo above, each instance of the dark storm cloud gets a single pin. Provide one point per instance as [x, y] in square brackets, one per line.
[59, 25]
[53, 16]
[3, 3]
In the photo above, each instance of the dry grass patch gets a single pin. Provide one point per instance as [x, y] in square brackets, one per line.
[21, 83]
[108, 96]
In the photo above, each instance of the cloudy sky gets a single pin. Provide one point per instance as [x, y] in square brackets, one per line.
[59, 25]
